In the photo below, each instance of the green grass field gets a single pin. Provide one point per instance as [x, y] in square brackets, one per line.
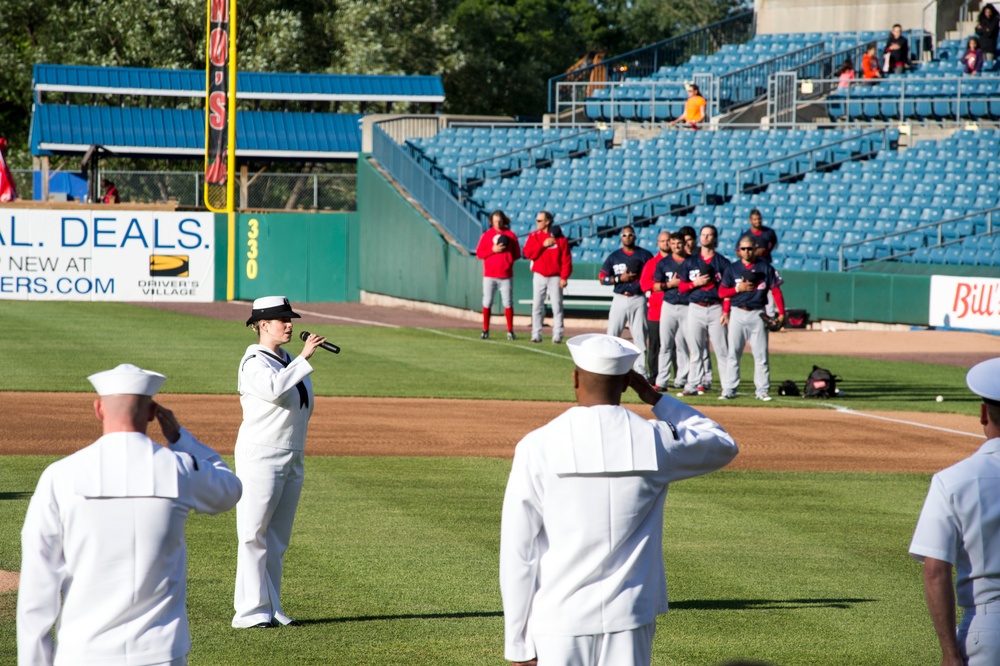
[394, 560]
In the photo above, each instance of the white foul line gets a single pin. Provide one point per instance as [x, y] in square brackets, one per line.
[350, 319]
[846, 410]
[493, 342]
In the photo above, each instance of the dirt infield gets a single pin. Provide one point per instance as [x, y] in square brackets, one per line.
[789, 439]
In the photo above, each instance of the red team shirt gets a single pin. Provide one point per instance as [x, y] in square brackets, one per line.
[499, 265]
[548, 261]
[654, 303]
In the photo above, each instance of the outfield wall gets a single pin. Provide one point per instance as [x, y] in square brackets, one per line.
[307, 257]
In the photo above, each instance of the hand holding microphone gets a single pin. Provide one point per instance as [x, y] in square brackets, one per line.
[329, 346]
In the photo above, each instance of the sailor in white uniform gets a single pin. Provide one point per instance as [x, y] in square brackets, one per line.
[104, 558]
[959, 528]
[581, 544]
[277, 399]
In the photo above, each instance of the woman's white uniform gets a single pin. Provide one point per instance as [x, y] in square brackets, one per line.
[277, 400]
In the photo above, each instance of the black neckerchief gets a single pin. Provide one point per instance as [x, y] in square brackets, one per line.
[300, 387]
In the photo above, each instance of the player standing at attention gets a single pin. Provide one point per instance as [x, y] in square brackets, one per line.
[700, 277]
[622, 269]
[673, 316]
[552, 264]
[499, 249]
[747, 283]
[654, 304]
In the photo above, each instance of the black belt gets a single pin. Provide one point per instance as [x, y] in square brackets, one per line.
[624, 293]
[704, 304]
[748, 309]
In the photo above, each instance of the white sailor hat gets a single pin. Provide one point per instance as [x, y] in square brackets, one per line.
[271, 307]
[602, 354]
[984, 379]
[127, 379]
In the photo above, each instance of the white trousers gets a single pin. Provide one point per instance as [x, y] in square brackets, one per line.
[704, 325]
[546, 286]
[979, 635]
[506, 287]
[673, 345]
[272, 483]
[623, 648]
[631, 309]
[747, 326]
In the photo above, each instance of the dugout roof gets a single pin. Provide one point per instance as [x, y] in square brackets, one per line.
[144, 131]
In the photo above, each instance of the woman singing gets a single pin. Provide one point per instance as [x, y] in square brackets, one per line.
[277, 400]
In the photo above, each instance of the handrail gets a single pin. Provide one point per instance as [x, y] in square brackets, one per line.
[842, 267]
[766, 68]
[652, 52]
[809, 151]
[628, 204]
[436, 200]
[463, 185]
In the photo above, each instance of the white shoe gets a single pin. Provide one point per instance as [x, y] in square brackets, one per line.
[764, 398]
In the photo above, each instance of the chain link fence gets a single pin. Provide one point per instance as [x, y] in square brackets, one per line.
[276, 191]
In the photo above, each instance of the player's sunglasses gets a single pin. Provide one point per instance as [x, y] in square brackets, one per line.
[628, 235]
[747, 249]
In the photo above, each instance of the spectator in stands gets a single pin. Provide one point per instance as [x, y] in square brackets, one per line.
[552, 263]
[694, 108]
[622, 269]
[110, 192]
[654, 303]
[869, 64]
[973, 58]
[988, 28]
[765, 237]
[498, 248]
[845, 73]
[896, 52]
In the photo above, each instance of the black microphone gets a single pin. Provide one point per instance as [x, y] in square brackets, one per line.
[329, 346]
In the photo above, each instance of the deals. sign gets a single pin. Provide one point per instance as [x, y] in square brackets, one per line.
[106, 255]
[962, 302]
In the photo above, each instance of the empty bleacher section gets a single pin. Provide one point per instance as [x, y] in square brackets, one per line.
[839, 198]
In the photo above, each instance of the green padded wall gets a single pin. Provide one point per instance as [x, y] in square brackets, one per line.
[305, 256]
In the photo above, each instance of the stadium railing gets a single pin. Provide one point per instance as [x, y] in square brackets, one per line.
[823, 157]
[440, 203]
[648, 59]
[943, 100]
[896, 251]
[520, 158]
[636, 211]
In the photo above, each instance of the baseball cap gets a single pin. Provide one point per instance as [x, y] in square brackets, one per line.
[127, 379]
[271, 307]
[984, 379]
[602, 354]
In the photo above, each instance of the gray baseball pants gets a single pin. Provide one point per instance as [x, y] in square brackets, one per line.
[673, 345]
[506, 287]
[546, 285]
[704, 327]
[630, 309]
[747, 326]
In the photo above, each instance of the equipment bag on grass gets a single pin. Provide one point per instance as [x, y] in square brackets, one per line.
[821, 383]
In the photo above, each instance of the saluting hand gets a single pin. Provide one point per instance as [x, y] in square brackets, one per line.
[168, 422]
[312, 342]
[642, 388]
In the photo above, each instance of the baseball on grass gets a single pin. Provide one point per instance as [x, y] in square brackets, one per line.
[940, 398]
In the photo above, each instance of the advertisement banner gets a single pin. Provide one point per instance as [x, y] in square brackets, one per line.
[106, 255]
[963, 302]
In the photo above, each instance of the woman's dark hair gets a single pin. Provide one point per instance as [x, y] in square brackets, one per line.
[973, 39]
[847, 65]
[503, 216]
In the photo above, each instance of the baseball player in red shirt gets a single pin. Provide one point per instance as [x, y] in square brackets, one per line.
[499, 249]
[552, 264]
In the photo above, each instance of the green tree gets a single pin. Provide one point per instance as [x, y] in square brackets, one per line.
[511, 49]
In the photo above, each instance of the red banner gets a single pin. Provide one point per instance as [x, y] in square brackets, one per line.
[217, 149]
[8, 190]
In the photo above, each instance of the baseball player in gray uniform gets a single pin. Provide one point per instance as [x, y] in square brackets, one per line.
[700, 276]
[747, 283]
[622, 269]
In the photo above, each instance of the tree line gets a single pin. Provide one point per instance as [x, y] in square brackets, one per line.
[494, 56]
